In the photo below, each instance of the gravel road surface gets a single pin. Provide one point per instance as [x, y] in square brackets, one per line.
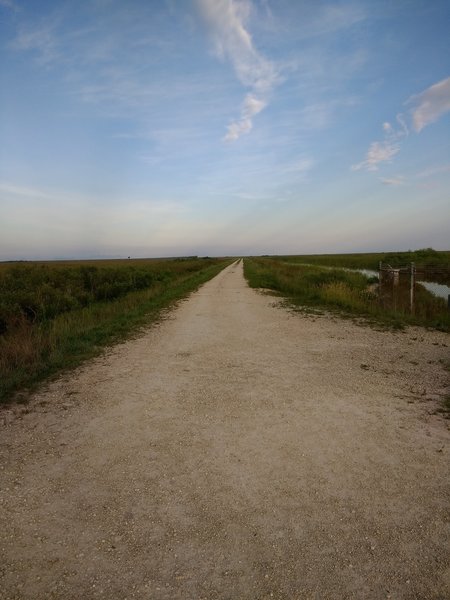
[235, 450]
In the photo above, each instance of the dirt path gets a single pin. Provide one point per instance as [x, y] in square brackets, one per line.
[234, 451]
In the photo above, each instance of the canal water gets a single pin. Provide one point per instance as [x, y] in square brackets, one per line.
[438, 289]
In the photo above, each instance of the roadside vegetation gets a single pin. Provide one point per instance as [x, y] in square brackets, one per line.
[54, 315]
[353, 293]
[425, 256]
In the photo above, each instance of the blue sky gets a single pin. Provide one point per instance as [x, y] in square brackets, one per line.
[180, 127]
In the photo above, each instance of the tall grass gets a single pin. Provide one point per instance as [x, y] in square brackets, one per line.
[346, 291]
[48, 325]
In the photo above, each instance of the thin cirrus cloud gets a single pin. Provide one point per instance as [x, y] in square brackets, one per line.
[41, 38]
[377, 153]
[431, 171]
[102, 64]
[384, 151]
[300, 167]
[226, 22]
[431, 104]
[251, 107]
[428, 106]
[393, 180]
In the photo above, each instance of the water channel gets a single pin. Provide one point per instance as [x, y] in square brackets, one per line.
[437, 289]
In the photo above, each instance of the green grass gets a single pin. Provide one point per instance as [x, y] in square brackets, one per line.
[344, 291]
[55, 316]
[425, 256]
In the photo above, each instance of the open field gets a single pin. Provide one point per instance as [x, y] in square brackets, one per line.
[321, 286]
[53, 315]
[235, 449]
[97, 262]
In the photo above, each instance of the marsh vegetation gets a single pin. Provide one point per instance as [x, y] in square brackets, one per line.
[54, 315]
[312, 281]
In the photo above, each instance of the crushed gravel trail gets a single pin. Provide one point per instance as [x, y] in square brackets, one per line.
[235, 450]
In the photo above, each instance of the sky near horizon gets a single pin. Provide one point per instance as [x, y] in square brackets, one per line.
[223, 127]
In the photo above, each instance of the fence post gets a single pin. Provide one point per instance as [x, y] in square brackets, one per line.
[411, 291]
[380, 281]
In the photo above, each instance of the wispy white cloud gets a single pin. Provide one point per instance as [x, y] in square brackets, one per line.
[40, 38]
[377, 153]
[251, 107]
[299, 167]
[431, 104]
[226, 20]
[433, 171]
[403, 131]
[112, 67]
[399, 180]
[384, 151]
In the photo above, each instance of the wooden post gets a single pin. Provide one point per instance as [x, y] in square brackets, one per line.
[394, 289]
[411, 291]
[380, 281]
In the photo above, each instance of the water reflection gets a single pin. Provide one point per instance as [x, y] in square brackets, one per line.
[437, 289]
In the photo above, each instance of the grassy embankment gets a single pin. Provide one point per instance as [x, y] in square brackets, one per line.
[55, 315]
[315, 286]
